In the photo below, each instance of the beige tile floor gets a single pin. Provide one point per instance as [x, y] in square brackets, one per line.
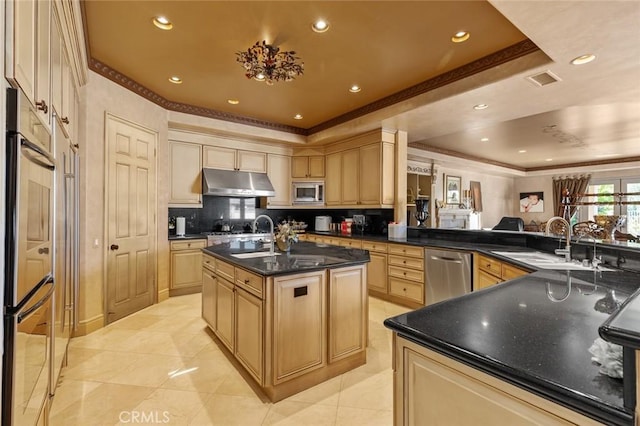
[162, 365]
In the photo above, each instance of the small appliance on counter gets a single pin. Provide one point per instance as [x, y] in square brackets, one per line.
[323, 223]
[180, 226]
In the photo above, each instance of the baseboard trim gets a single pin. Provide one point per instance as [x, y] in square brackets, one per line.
[163, 295]
[90, 325]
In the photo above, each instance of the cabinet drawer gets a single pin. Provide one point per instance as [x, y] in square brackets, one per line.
[406, 262]
[250, 282]
[377, 247]
[407, 274]
[490, 265]
[350, 243]
[188, 245]
[485, 280]
[510, 272]
[407, 290]
[209, 262]
[406, 250]
[225, 270]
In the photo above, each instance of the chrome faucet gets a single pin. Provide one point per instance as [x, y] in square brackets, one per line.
[595, 260]
[255, 228]
[566, 251]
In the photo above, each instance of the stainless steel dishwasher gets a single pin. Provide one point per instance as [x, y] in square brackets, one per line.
[448, 274]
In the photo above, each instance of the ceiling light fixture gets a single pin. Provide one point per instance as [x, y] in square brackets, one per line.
[522, 151]
[263, 61]
[484, 140]
[355, 88]
[320, 26]
[548, 159]
[162, 22]
[298, 116]
[480, 106]
[583, 59]
[233, 101]
[460, 36]
[175, 79]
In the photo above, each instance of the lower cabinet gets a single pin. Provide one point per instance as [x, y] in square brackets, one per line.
[225, 313]
[430, 388]
[490, 271]
[377, 272]
[249, 342]
[186, 267]
[347, 312]
[209, 297]
[299, 325]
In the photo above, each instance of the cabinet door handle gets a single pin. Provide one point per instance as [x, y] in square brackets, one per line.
[42, 106]
[114, 247]
[43, 250]
[65, 120]
[247, 281]
[188, 244]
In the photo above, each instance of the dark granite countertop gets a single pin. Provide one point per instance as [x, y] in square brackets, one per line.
[188, 237]
[515, 331]
[623, 327]
[303, 257]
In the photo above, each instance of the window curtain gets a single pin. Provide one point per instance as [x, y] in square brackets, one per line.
[566, 193]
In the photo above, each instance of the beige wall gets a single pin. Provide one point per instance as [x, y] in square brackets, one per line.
[97, 98]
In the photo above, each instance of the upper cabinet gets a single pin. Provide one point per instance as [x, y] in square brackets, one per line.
[361, 177]
[307, 167]
[279, 172]
[185, 174]
[216, 157]
[28, 54]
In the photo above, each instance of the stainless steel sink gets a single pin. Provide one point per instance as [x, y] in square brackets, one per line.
[546, 261]
[254, 255]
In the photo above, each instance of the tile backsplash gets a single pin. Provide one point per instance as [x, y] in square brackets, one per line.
[238, 213]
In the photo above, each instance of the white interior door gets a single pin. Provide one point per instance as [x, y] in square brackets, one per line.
[131, 204]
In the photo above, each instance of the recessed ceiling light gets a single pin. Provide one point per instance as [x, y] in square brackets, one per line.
[175, 79]
[583, 59]
[162, 22]
[233, 101]
[484, 140]
[298, 116]
[522, 151]
[320, 26]
[355, 88]
[460, 36]
[480, 106]
[548, 159]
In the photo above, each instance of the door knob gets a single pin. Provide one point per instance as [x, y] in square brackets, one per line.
[114, 247]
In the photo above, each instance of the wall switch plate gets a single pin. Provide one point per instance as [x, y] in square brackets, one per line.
[358, 219]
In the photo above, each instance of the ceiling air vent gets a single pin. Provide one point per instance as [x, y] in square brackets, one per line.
[543, 78]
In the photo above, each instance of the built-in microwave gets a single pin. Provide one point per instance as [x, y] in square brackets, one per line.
[305, 192]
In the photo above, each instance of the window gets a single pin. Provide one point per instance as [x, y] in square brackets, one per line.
[242, 208]
[609, 186]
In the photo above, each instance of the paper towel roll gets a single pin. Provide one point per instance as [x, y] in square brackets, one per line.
[180, 226]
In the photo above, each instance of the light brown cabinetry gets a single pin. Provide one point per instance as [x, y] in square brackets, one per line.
[225, 312]
[377, 267]
[249, 342]
[490, 271]
[430, 388]
[406, 274]
[361, 176]
[299, 325]
[279, 172]
[347, 312]
[186, 267]
[307, 167]
[209, 297]
[185, 174]
[217, 157]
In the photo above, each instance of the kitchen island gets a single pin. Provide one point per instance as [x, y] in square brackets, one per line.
[291, 320]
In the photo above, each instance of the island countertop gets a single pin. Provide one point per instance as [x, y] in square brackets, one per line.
[534, 332]
[303, 257]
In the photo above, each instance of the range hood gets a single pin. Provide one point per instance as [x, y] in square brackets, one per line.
[228, 183]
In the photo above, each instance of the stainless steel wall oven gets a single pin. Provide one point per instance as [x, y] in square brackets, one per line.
[29, 283]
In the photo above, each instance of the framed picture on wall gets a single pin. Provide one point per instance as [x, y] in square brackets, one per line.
[532, 202]
[452, 185]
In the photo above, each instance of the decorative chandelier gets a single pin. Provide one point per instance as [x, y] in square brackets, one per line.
[265, 62]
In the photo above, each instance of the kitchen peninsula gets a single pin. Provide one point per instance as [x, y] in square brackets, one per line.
[291, 319]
